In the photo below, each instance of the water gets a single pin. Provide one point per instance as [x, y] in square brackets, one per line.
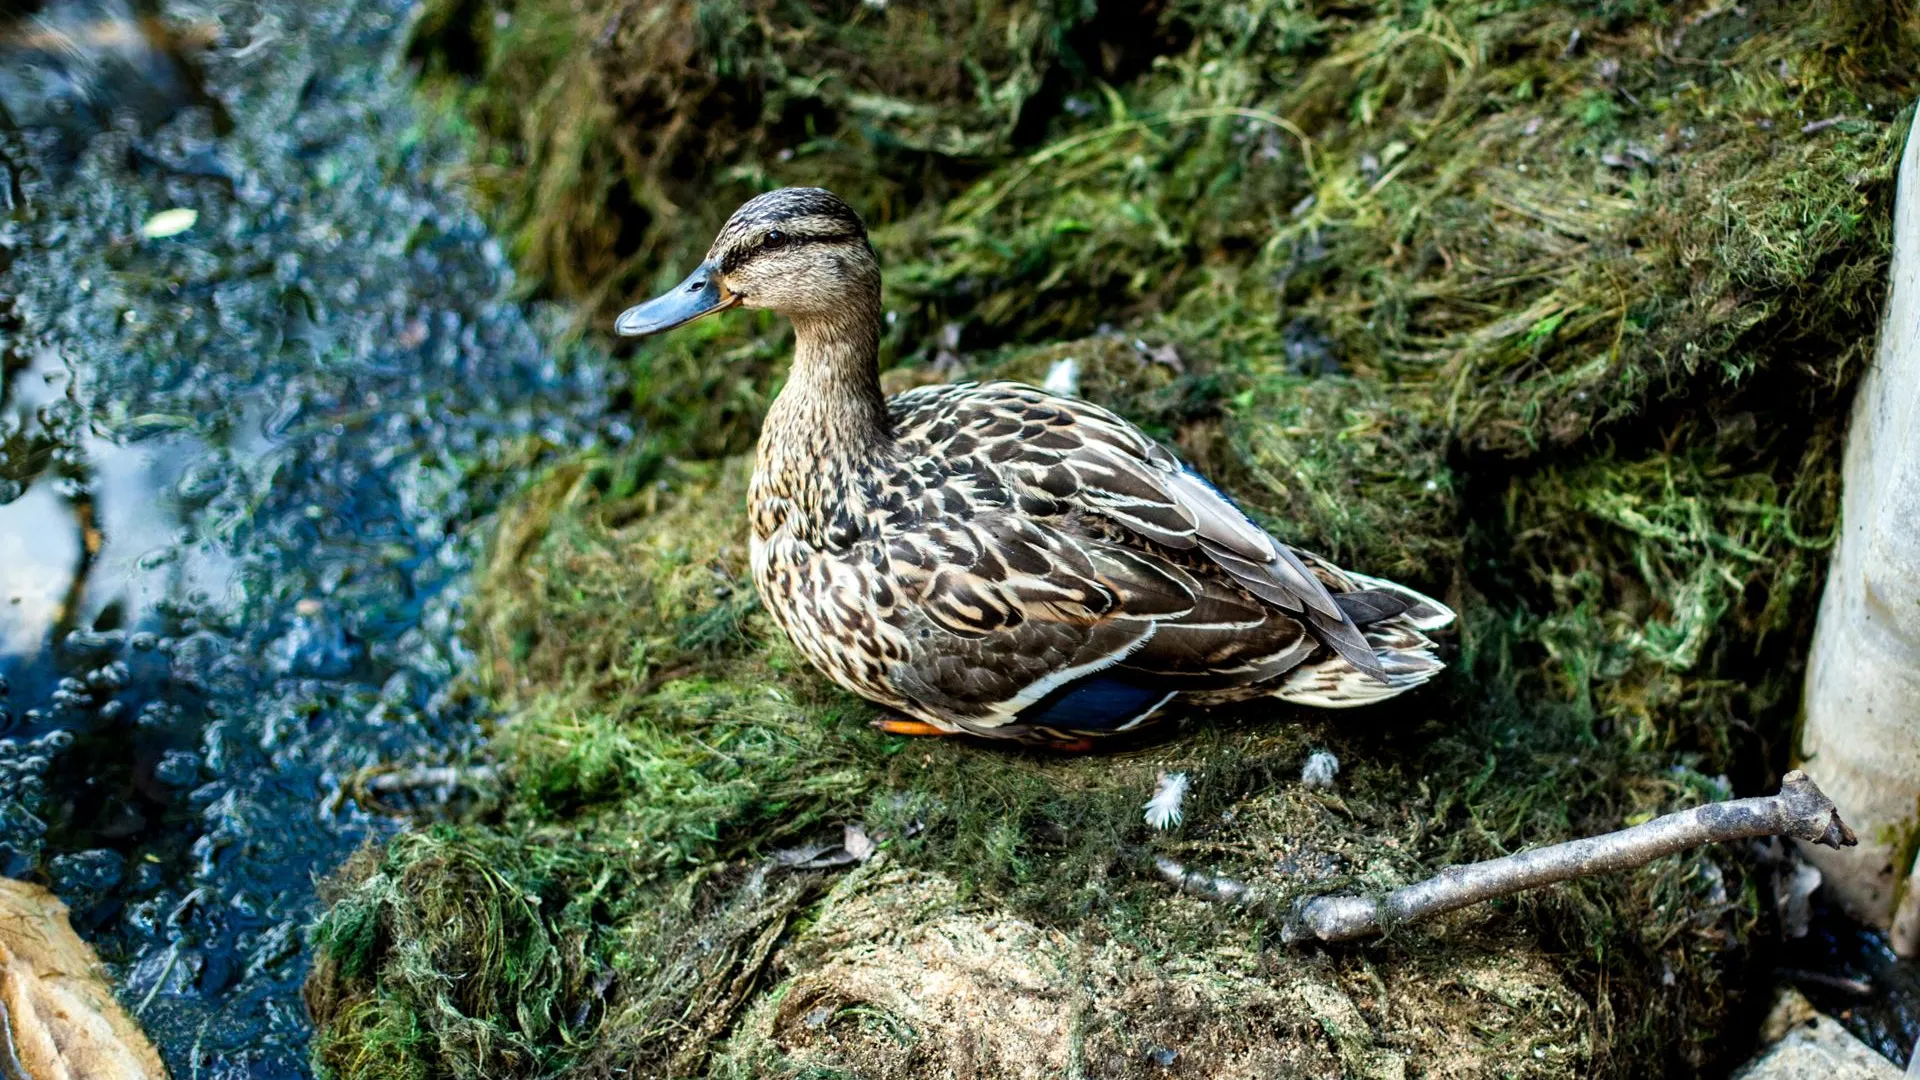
[243, 471]
[1849, 972]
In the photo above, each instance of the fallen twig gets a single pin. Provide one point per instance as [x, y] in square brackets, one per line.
[1799, 811]
[369, 785]
[431, 776]
[1216, 887]
[1822, 125]
[1853, 987]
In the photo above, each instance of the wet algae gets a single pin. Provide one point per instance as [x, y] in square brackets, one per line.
[1550, 309]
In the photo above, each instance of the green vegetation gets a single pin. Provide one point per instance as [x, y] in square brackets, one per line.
[1551, 309]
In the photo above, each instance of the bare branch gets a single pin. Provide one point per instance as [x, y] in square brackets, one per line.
[431, 776]
[1799, 811]
[1216, 887]
[370, 785]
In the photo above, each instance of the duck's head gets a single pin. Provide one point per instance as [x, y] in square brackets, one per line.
[798, 251]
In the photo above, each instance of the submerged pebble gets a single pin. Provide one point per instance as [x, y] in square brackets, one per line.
[86, 873]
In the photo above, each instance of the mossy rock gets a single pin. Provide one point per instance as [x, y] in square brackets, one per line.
[899, 975]
[1548, 223]
[670, 886]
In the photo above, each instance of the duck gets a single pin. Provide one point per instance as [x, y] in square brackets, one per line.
[991, 559]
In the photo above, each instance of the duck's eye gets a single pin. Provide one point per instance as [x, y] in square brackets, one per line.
[773, 239]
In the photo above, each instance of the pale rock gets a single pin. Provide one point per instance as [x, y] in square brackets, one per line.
[58, 1018]
[1808, 1045]
[1861, 735]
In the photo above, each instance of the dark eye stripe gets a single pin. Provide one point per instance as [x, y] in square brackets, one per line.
[790, 239]
[824, 238]
[738, 257]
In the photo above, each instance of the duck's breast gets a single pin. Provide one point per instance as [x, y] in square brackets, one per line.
[838, 611]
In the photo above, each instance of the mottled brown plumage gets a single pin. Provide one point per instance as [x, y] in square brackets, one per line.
[994, 559]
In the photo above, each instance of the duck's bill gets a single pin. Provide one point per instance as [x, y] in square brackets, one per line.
[698, 296]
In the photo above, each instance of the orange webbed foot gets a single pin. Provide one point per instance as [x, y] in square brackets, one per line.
[900, 725]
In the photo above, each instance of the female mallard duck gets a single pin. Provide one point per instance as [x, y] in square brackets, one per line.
[996, 560]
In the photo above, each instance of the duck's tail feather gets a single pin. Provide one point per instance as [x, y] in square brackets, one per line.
[1423, 611]
[1401, 647]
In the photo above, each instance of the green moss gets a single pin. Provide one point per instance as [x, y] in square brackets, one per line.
[1559, 326]
[1670, 580]
[613, 138]
[1548, 275]
[1905, 842]
[1351, 469]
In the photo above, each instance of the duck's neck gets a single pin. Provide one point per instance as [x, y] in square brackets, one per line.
[830, 420]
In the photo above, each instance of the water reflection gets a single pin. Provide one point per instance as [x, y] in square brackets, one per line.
[40, 560]
[97, 539]
[43, 532]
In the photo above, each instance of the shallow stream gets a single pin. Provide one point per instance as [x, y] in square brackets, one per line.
[260, 378]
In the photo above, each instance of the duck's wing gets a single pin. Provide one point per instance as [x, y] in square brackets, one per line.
[1059, 457]
[1010, 622]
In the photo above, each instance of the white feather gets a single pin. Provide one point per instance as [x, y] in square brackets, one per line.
[1063, 378]
[1163, 810]
[1320, 769]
